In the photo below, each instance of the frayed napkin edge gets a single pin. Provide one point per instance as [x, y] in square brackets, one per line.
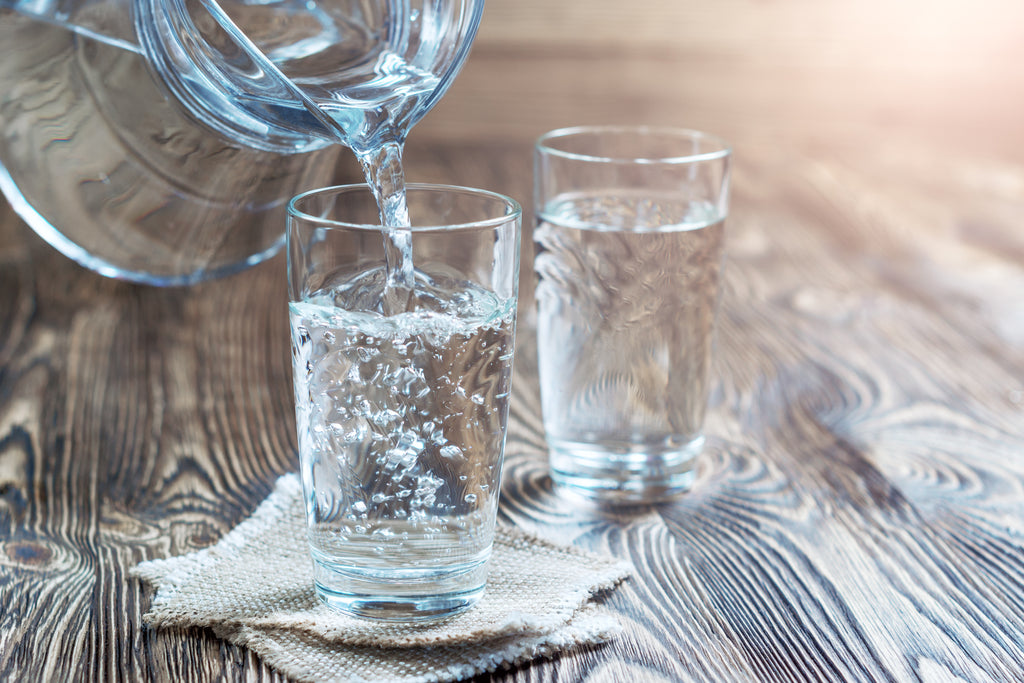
[169, 576]
[516, 623]
[591, 626]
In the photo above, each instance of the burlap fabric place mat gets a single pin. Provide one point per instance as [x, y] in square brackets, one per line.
[255, 588]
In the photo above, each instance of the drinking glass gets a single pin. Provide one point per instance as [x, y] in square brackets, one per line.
[629, 249]
[402, 408]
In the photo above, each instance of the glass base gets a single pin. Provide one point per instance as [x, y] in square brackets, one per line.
[400, 595]
[623, 476]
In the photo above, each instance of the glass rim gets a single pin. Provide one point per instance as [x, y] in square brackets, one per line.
[723, 150]
[514, 210]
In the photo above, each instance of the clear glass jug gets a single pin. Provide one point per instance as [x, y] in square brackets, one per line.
[159, 141]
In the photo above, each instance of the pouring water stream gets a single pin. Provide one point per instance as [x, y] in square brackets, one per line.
[381, 164]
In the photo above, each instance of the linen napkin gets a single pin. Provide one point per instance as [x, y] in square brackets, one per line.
[255, 589]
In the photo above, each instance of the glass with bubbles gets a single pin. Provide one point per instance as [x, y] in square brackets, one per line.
[402, 394]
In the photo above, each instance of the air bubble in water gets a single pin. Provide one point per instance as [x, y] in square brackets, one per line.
[385, 417]
[356, 434]
[451, 451]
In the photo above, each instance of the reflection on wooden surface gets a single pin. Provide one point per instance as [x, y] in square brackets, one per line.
[858, 511]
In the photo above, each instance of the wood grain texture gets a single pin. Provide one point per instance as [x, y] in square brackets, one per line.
[859, 510]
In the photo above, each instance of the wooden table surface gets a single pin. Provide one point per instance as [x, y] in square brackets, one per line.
[858, 513]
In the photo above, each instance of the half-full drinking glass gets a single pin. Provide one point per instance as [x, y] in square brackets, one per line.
[629, 242]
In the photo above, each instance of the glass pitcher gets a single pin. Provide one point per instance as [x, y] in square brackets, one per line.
[159, 141]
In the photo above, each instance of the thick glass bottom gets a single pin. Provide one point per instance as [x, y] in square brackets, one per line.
[617, 475]
[400, 595]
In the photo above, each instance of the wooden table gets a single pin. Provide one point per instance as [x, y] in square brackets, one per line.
[859, 510]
